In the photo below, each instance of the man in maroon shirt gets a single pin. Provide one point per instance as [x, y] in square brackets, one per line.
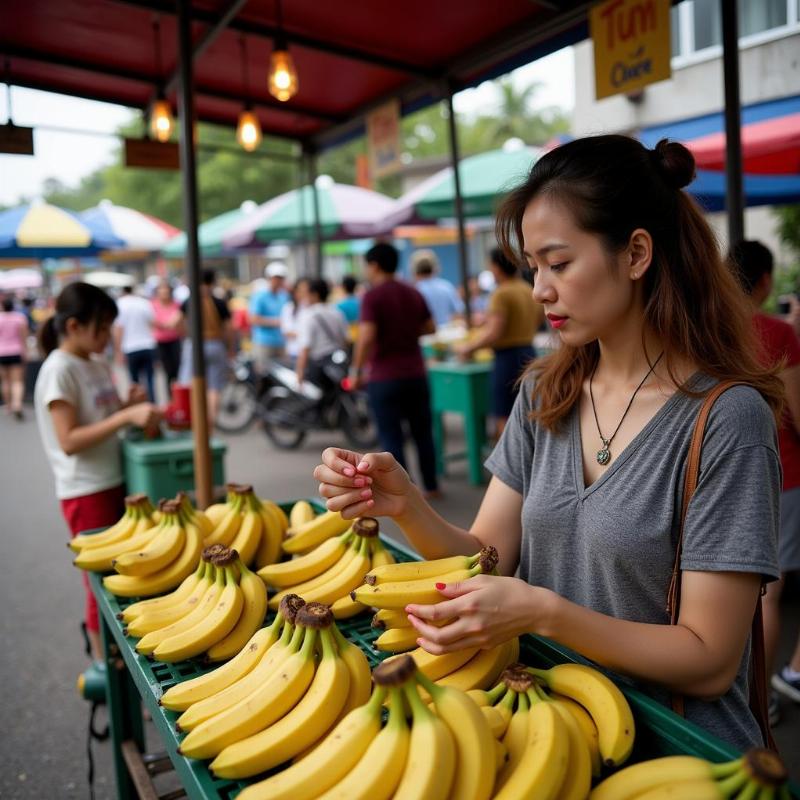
[389, 361]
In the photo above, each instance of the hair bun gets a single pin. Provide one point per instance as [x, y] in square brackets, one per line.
[674, 162]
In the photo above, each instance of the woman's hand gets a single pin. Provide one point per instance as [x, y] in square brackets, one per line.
[356, 485]
[144, 415]
[136, 394]
[488, 611]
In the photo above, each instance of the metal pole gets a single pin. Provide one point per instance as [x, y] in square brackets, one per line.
[459, 204]
[312, 179]
[734, 192]
[202, 454]
[302, 172]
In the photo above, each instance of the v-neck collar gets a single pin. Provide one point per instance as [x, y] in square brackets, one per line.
[577, 442]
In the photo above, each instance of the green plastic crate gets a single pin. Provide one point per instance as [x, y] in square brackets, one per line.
[163, 467]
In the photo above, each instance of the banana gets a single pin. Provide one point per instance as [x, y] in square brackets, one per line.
[307, 723]
[637, 779]
[214, 513]
[134, 610]
[269, 549]
[578, 778]
[277, 512]
[248, 538]
[684, 790]
[344, 608]
[475, 769]
[431, 763]
[274, 698]
[182, 695]
[341, 584]
[483, 669]
[300, 514]
[289, 642]
[158, 553]
[435, 667]
[381, 557]
[515, 738]
[603, 700]
[314, 533]
[389, 618]
[163, 580]
[420, 570]
[200, 603]
[505, 709]
[101, 559]
[304, 568]
[213, 628]
[497, 722]
[543, 764]
[588, 729]
[397, 640]
[227, 528]
[379, 770]
[194, 515]
[254, 608]
[328, 763]
[360, 675]
[500, 755]
[119, 531]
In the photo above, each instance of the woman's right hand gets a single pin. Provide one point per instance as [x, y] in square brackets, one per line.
[144, 415]
[373, 484]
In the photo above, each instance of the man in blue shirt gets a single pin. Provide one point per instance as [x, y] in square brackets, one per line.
[440, 295]
[265, 317]
[351, 304]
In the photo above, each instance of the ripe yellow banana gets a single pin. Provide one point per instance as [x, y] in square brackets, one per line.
[588, 729]
[182, 695]
[542, 767]
[431, 763]
[193, 515]
[500, 755]
[483, 669]
[278, 512]
[254, 608]
[578, 778]
[515, 738]
[304, 568]
[345, 607]
[269, 549]
[301, 513]
[497, 721]
[603, 700]
[163, 580]
[101, 559]
[389, 618]
[267, 704]
[248, 538]
[120, 530]
[314, 533]
[420, 570]
[688, 790]
[227, 528]
[475, 768]
[397, 640]
[134, 610]
[434, 667]
[158, 553]
[214, 513]
[307, 723]
[379, 770]
[328, 763]
[360, 674]
[381, 557]
[213, 628]
[341, 584]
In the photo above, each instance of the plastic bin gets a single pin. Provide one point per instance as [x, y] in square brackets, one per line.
[162, 467]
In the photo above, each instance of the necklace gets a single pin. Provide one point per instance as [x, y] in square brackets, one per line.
[604, 454]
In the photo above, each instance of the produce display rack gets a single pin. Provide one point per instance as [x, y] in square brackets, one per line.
[136, 682]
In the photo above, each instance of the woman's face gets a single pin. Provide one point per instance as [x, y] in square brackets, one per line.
[164, 293]
[92, 337]
[583, 287]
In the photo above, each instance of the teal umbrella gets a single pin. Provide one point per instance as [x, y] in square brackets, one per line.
[485, 178]
[209, 234]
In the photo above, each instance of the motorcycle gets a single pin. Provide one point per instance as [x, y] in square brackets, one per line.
[289, 411]
[238, 400]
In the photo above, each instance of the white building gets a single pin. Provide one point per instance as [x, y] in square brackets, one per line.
[769, 69]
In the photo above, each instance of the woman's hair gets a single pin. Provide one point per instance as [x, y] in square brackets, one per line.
[83, 302]
[502, 262]
[8, 303]
[612, 185]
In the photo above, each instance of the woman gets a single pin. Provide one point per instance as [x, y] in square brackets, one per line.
[13, 332]
[290, 318]
[168, 329]
[587, 477]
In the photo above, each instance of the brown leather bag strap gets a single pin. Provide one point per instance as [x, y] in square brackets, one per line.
[759, 702]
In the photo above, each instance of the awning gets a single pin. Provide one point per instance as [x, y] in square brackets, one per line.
[138, 231]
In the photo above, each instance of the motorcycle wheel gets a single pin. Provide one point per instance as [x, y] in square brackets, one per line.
[237, 406]
[356, 421]
[281, 421]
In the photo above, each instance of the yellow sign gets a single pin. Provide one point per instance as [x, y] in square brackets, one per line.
[631, 44]
[384, 143]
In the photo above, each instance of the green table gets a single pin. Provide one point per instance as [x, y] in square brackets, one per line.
[461, 388]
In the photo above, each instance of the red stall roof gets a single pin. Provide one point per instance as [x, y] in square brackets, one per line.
[349, 56]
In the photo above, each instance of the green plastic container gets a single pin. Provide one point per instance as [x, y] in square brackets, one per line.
[163, 467]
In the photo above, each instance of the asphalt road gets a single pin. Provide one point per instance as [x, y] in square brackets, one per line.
[44, 721]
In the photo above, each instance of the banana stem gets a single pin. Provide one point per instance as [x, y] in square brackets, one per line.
[494, 695]
[509, 700]
[327, 643]
[309, 641]
[375, 702]
[732, 784]
[426, 683]
[726, 768]
[541, 693]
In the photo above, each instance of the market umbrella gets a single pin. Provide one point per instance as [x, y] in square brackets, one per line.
[106, 279]
[484, 179]
[209, 234]
[13, 280]
[138, 231]
[41, 230]
[759, 190]
[345, 212]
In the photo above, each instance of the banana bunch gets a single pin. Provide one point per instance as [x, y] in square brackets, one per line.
[307, 531]
[329, 572]
[394, 586]
[441, 754]
[757, 775]
[215, 611]
[96, 551]
[245, 523]
[270, 706]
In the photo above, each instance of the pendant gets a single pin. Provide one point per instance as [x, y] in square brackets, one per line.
[604, 455]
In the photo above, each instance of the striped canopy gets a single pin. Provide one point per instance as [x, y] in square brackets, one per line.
[138, 231]
[209, 235]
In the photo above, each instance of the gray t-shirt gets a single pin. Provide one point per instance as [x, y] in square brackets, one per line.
[611, 546]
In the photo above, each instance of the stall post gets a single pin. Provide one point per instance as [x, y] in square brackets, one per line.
[734, 191]
[312, 179]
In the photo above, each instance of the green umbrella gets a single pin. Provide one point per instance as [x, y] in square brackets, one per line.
[209, 234]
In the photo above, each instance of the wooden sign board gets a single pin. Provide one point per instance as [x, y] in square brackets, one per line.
[152, 155]
[16, 140]
[383, 140]
[631, 45]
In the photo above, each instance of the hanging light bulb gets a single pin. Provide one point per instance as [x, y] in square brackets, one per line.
[161, 120]
[283, 83]
[248, 131]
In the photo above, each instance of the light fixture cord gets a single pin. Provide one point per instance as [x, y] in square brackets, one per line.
[157, 43]
[245, 70]
[7, 80]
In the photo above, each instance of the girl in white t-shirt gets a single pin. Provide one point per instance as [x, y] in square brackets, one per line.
[79, 413]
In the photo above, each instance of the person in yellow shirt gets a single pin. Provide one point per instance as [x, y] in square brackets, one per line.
[512, 319]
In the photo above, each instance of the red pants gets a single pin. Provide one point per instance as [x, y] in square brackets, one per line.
[99, 510]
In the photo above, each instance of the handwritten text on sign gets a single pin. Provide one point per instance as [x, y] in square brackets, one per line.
[631, 44]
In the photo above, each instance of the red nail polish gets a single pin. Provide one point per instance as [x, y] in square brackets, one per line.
[440, 586]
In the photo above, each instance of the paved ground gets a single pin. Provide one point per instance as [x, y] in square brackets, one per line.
[44, 722]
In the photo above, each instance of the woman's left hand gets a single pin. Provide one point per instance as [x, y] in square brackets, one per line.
[488, 610]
